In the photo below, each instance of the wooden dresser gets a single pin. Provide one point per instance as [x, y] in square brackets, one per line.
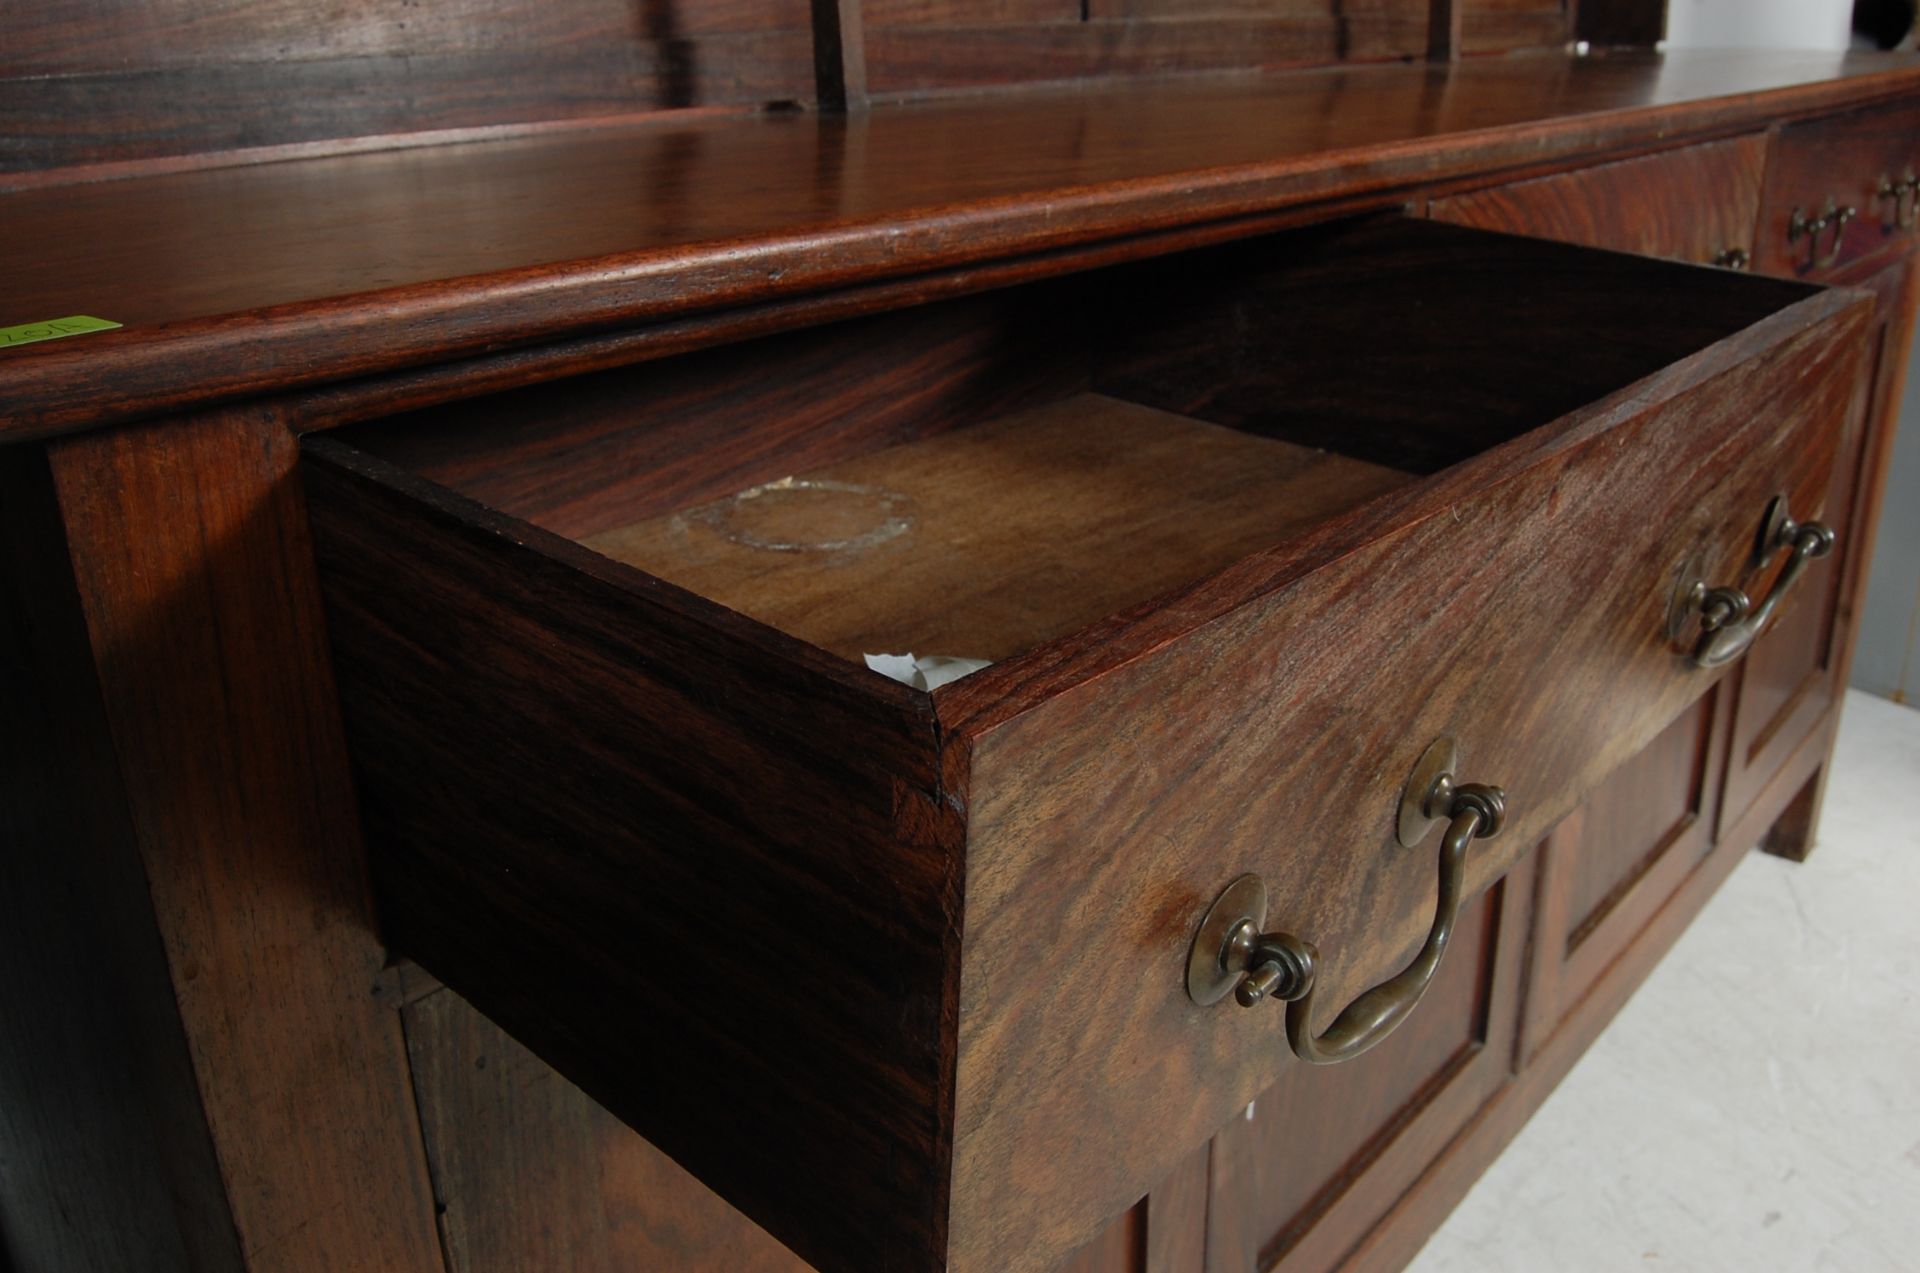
[1409, 479]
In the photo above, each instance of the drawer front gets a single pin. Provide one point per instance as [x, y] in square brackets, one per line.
[1847, 162]
[1518, 604]
[1694, 204]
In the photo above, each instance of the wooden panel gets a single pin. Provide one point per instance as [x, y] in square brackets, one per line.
[531, 1174]
[288, 274]
[1453, 1169]
[1091, 796]
[1690, 204]
[1491, 26]
[104, 81]
[1792, 678]
[1308, 1166]
[1610, 866]
[1120, 1248]
[1177, 1216]
[986, 541]
[75, 37]
[194, 574]
[121, 117]
[108, 1163]
[1638, 815]
[1844, 158]
[905, 61]
[548, 745]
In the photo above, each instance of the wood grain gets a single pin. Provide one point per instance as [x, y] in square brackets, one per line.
[595, 452]
[911, 61]
[552, 746]
[192, 566]
[1794, 675]
[103, 82]
[338, 267]
[1498, 26]
[1413, 1218]
[530, 1173]
[1101, 826]
[1610, 866]
[987, 541]
[1326, 1151]
[1689, 204]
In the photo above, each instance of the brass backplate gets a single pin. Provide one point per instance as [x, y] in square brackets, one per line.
[1243, 902]
[1439, 760]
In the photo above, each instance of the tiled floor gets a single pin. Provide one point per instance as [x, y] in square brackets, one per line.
[1756, 1106]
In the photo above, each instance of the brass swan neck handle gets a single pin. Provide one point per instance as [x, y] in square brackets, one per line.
[1230, 951]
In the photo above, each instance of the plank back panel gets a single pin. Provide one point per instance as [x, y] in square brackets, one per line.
[107, 81]
[926, 46]
[1495, 26]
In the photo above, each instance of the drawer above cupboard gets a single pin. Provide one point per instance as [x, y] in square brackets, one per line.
[909, 976]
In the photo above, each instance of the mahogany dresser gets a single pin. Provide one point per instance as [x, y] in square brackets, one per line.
[1401, 474]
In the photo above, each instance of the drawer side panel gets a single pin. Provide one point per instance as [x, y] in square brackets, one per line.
[702, 874]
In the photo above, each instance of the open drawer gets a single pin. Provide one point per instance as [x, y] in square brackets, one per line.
[905, 975]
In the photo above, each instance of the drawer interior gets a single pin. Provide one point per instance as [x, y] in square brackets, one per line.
[975, 477]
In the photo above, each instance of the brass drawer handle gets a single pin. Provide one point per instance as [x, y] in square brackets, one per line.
[1801, 226]
[1905, 194]
[1733, 259]
[1729, 621]
[1231, 953]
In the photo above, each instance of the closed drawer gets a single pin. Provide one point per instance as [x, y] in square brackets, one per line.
[1860, 172]
[1697, 203]
[903, 975]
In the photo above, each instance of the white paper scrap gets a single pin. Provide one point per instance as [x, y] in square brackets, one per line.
[926, 672]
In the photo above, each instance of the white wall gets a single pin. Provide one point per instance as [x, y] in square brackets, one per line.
[1887, 654]
[1758, 24]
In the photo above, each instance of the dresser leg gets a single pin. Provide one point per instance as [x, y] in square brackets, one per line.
[1791, 835]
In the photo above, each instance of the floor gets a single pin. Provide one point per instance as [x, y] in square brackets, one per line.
[1756, 1106]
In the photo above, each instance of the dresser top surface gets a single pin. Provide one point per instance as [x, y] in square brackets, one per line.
[231, 280]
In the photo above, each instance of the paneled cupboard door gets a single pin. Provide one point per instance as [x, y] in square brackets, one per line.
[1319, 1159]
[1795, 671]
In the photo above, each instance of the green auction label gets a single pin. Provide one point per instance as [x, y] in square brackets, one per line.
[53, 329]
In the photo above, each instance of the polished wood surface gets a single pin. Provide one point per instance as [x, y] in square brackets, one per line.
[1691, 204]
[193, 569]
[985, 542]
[576, 778]
[203, 966]
[233, 280]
